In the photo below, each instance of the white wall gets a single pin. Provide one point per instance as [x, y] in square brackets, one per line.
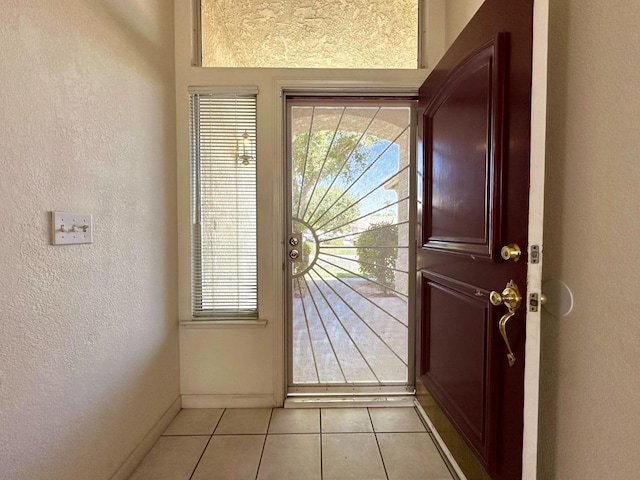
[88, 334]
[590, 421]
[457, 15]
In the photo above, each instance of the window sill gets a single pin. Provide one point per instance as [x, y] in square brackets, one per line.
[224, 323]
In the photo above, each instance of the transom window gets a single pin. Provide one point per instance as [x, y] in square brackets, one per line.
[310, 33]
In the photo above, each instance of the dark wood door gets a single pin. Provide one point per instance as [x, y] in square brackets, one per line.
[473, 170]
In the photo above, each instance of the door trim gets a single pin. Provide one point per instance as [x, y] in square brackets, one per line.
[536, 211]
[408, 86]
[403, 92]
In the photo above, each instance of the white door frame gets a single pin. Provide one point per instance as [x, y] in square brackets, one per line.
[282, 87]
[392, 388]
[536, 215]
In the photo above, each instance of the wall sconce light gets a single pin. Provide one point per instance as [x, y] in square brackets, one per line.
[244, 148]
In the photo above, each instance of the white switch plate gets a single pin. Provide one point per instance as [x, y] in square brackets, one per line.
[71, 228]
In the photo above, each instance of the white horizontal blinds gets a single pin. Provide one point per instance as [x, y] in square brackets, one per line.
[223, 205]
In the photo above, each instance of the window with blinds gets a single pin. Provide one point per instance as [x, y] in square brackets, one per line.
[223, 204]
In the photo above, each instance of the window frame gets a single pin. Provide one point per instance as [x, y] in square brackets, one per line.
[196, 202]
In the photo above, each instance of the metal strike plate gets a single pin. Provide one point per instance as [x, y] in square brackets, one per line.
[534, 302]
[535, 254]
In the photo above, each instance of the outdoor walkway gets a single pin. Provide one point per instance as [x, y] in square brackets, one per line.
[346, 330]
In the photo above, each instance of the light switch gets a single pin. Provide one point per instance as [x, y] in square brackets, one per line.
[71, 228]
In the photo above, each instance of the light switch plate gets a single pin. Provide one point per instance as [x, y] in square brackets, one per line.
[71, 228]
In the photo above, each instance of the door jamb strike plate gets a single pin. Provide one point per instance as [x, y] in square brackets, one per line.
[535, 254]
[534, 302]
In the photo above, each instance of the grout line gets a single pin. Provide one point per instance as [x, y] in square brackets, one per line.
[206, 446]
[266, 435]
[219, 421]
[375, 435]
[200, 457]
[273, 434]
[350, 433]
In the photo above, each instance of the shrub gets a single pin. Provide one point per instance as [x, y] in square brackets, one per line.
[377, 250]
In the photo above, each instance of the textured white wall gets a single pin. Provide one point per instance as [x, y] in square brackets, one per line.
[310, 33]
[590, 420]
[88, 334]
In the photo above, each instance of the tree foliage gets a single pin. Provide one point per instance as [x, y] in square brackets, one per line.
[317, 160]
[377, 251]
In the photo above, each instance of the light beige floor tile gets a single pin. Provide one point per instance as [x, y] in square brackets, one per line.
[231, 457]
[171, 458]
[195, 421]
[291, 457]
[411, 456]
[241, 421]
[295, 420]
[351, 456]
[337, 420]
[396, 420]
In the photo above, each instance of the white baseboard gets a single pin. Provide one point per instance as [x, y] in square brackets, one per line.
[133, 460]
[228, 401]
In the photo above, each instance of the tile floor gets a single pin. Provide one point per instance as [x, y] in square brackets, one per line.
[294, 444]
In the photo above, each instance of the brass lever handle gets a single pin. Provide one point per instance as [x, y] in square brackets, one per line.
[511, 358]
[511, 299]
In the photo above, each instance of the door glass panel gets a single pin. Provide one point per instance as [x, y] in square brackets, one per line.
[349, 206]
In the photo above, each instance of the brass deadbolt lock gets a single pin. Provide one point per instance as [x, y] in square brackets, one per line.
[511, 252]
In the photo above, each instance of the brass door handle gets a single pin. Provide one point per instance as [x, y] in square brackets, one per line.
[502, 324]
[294, 254]
[510, 298]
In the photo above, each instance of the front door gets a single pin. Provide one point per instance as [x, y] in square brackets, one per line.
[474, 158]
[348, 240]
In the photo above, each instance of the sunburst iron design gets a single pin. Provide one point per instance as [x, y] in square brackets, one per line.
[350, 204]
